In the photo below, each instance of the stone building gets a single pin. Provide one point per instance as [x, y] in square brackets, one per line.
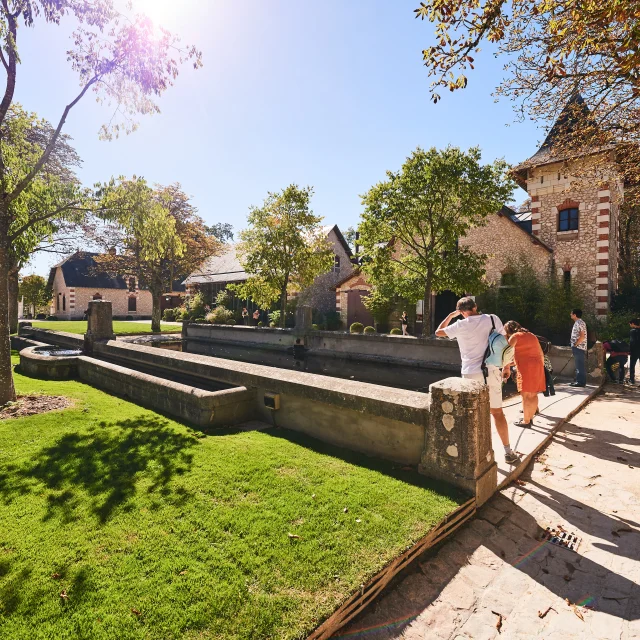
[222, 270]
[575, 203]
[78, 279]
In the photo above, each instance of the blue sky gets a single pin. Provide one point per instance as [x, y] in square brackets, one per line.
[329, 94]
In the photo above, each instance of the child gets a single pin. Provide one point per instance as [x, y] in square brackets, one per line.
[634, 348]
[618, 353]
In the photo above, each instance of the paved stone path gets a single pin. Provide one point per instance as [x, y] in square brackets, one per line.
[587, 481]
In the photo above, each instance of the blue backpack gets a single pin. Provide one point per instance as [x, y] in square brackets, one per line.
[498, 352]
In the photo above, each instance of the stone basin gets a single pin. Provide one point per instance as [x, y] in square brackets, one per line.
[56, 363]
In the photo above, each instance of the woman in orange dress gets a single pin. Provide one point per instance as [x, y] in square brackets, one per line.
[529, 359]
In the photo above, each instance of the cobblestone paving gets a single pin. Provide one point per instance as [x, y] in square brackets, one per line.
[496, 569]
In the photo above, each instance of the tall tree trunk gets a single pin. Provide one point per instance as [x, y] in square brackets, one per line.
[283, 306]
[13, 298]
[7, 390]
[426, 309]
[156, 315]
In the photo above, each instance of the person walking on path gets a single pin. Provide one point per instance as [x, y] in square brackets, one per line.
[618, 353]
[404, 320]
[472, 333]
[579, 348]
[529, 360]
[256, 317]
[634, 348]
[245, 316]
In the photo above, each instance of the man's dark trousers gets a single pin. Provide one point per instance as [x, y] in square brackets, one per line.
[580, 357]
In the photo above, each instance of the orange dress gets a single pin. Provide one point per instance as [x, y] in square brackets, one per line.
[529, 360]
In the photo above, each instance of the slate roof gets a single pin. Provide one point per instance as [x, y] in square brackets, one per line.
[514, 217]
[575, 111]
[81, 270]
[223, 268]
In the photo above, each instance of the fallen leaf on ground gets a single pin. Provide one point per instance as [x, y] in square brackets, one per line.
[591, 484]
[520, 483]
[136, 612]
[55, 576]
[575, 609]
[569, 467]
[567, 578]
[621, 459]
[499, 620]
[346, 509]
[182, 572]
[293, 536]
[358, 520]
[313, 495]
[63, 595]
[542, 614]
[594, 477]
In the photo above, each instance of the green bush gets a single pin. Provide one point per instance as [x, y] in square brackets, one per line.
[395, 332]
[223, 298]
[169, 315]
[356, 327]
[200, 320]
[274, 318]
[129, 318]
[369, 330]
[315, 327]
[616, 326]
[232, 321]
[261, 324]
[51, 318]
[220, 315]
[196, 306]
[272, 325]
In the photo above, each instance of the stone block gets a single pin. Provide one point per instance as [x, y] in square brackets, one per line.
[458, 444]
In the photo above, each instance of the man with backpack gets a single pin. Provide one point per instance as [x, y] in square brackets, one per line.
[482, 353]
[618, 351]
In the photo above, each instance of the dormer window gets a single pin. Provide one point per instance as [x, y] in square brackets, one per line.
[568, 219]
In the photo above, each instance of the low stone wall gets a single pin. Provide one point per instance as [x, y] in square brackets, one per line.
[430, 353]
[57, 338]
[200, 407]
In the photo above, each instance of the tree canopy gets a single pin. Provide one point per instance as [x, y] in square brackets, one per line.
[157, 234]
[283, 249]
[34, 291]
[125, 62]
[412, 221]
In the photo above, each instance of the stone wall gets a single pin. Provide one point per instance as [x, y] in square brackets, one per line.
[588, 254]
[320, 295]
[502, 241]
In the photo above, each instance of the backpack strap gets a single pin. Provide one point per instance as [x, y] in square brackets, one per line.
[487, 352]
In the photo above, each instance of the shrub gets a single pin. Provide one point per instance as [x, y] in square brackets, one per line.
[200, 320]
[315, 327]
[129, 318]
[272, 325]
[169, 315]
[232, 321]
[616, 326]
[274, 318]
[395, 332]
[261, 324]
[223, 298]
[51, 318]
[196, 306]
[356, 327]
[220, 315]
[369, 330]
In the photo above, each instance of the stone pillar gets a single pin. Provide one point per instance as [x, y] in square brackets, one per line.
[100, 324]
[458, 447]
[595, 363]
[22, 325]
[303, 319]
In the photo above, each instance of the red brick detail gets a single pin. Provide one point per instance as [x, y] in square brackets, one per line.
[603, 298]
[535, 198]
[568, 204]
[536, 232]
[605, 199]
[603, 261]
[603, 237]
[604, 224]
[603, 287]
[604, 186]
[601, 312]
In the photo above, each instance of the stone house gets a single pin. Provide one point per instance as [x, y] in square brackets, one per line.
[78, 279]
[217, 272]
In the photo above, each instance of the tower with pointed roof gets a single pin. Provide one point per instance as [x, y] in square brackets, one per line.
[575, 200]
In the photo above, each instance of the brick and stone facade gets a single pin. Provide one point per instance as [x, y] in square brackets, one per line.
[588, 255]
[75, 282]
[503, 241]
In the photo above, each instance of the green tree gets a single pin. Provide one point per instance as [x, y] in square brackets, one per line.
[159, 236]
[284, 248]
[35, 292]
[412, 221]
[125, 62]
[223, 231]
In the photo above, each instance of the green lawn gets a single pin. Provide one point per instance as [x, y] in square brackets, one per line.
[157, 531]
[119, 326]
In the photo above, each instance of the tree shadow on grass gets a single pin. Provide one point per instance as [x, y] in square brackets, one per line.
[106, 463]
